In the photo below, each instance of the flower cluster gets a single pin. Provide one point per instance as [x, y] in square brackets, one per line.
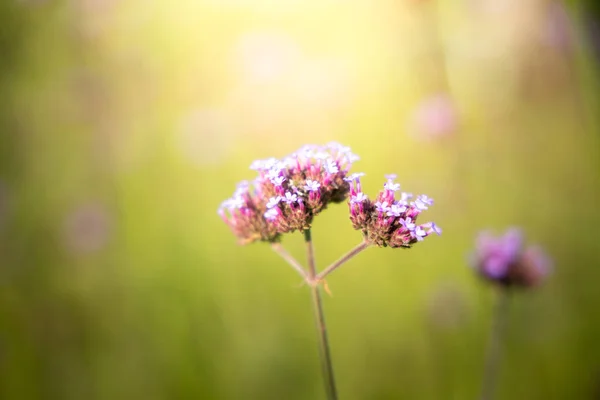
[389, 221]
[287, 194]
[505, 261]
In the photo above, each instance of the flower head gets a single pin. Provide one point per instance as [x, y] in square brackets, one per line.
[505, 261]
[288, 193]
[391, 222]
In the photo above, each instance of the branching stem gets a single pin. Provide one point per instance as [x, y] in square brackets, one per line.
[324, 353]
[278, 248]
[353, 252]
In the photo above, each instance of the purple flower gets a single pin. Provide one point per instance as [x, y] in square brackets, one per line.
[344, 154]
[394, 187]
[354, 176]
[271, 214]
[538, 261]
[405, 196]
[382, 206]
[358, 198]
[396, 210]
[422, 202]
[273, 173]
[257, 165]
[273, 201]
[234, 202]
[331, 167]
[278, 181]
[307, 180]
[241, 189]
[264, 165]
[390, 222]
[312, 186]
[504, 260]
[407, 224]
[351, 157]
[419, 233]
[433, 228]
[290, 197]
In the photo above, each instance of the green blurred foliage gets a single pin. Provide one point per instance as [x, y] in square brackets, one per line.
[125, 124]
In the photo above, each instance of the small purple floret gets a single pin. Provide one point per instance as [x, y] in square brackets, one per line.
[290, 197]
[394, 187]
[358, 198]
[271, 214]
[354, 176]
[331, 167]
[273, 201]
[312, 186]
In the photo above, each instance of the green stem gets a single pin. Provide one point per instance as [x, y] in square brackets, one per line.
[324, 353]
[357, 249]
[278, 248]
[492, 357]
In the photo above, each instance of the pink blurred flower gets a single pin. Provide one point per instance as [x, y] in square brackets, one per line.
[87, 228]
[434, 117]
[505, 260]
[557, 30]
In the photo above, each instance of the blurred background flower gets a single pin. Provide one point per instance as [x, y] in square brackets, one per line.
[125, 124]
[87, 228]
[506, 261]
[434, 117]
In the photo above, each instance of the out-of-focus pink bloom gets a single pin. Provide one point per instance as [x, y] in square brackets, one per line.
[87, 228]
[505, 261]
[434, 117]
[557, 30]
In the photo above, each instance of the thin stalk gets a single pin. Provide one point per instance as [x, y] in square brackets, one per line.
[357, 249]
[278, 248]
[494, 346]
[324, 353]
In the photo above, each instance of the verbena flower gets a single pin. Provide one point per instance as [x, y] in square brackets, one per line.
[288, 193]
[388, 221]
[505, 261]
